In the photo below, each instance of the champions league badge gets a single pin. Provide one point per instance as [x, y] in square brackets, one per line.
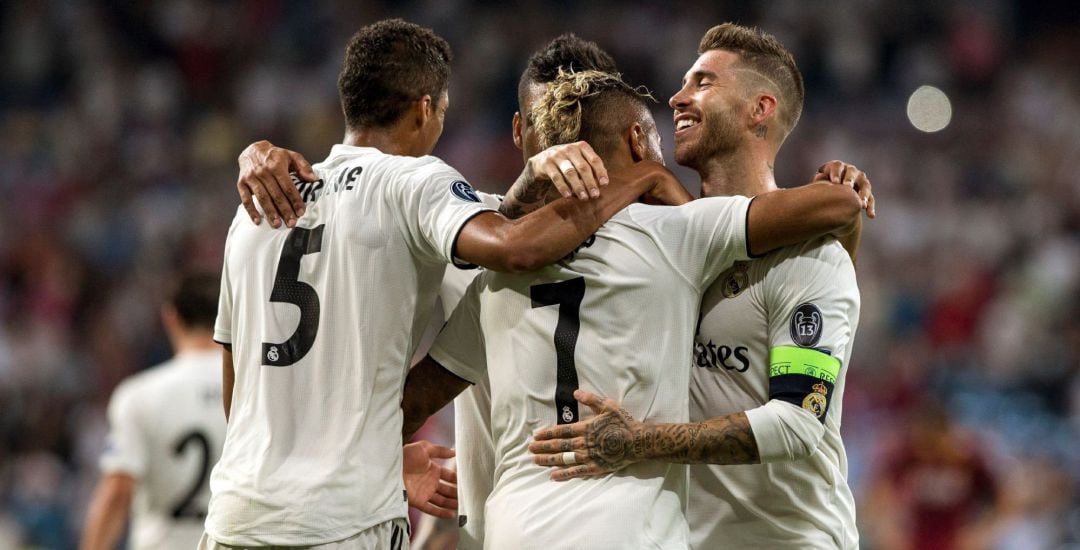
[735, 280]
[816, 402]
[464, 191]
[806, 325]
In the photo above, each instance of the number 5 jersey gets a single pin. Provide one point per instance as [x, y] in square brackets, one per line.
[323, 320]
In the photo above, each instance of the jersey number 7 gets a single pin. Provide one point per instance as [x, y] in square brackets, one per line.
[288, 288]
[567, 295]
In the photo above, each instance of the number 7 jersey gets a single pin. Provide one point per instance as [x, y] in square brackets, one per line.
[323, 320]
[615, 318]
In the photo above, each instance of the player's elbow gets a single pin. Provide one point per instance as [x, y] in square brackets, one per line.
[843, 209]
[786, 433]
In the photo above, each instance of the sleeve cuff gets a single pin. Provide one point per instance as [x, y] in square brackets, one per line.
[784, 432]
[457, 368]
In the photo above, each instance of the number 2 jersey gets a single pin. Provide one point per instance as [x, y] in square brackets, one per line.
[775, 340]
[165, 431]
[614, 318]
[323, 320]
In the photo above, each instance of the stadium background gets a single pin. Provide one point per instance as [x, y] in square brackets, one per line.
[120, 123]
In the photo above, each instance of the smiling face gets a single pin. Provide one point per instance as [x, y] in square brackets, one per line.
[711, 110]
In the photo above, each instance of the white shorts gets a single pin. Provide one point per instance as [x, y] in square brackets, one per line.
[388, 535]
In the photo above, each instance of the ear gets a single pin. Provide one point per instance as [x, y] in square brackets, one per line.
[171, 319]
[639, 144]
[518, 141]
[424, 109]
[762, 109]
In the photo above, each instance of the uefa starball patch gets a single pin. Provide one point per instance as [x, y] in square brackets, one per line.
[464, 191]
[806, 325]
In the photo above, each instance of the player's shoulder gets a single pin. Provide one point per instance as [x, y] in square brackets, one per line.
[823, 254]
[137, 386]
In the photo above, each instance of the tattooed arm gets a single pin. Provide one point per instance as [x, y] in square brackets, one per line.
[614, 440]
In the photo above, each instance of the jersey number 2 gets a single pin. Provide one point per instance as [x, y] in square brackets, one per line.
[288, 288]
[567, 295]
[188, 507]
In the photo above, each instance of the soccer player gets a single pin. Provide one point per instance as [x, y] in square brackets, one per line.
[165, 431]
[319, 322]
[774, 338]
[610, 308]
[265, 172]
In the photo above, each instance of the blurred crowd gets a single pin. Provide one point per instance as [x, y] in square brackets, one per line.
[120, 123]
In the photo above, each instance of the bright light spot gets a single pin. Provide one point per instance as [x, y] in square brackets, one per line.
[929, 109]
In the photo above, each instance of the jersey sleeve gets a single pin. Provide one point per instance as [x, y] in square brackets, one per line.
[126, 445]
[434, 201]
[712, 237]
[813, 304]
[223, 323]
[459, 348]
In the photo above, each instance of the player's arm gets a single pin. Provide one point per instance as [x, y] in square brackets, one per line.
[546, 235]
[108, 512]
[228, 379]
[428, 388]
[789, 216]
[573, 169]
[265, 174]
[613, 440]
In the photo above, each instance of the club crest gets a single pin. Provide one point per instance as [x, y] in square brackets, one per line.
[567, 414]
[806, 325]
[816, 402]
[735, 280]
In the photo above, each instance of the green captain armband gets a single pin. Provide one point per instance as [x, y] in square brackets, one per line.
[803, 377]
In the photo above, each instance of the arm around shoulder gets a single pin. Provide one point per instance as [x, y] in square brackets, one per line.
[788, 216]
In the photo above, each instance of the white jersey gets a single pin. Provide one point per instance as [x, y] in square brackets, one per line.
[472, 425]
[798, 302]
[602, 320]
[324, 319]
[166, 428]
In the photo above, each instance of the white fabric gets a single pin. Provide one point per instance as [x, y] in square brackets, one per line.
[312, 453]
[388, 535]
[804, 502]
[152, 418]
[643, 277]
[475, 460]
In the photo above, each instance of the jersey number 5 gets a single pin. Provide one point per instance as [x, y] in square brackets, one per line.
[567, 295]
[288, 288]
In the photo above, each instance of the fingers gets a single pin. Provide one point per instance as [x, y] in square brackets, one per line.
[302, 167]
[566, 431]
[447, 490]
[570, 171]
[595, 402]
[429, 508]
[438, 451]
[832, 170]
[448, 475]
[574, 169]
[557, 445]
[246, 199]
[278, 180]
[579, 471]
[261, 189]
[580, 457]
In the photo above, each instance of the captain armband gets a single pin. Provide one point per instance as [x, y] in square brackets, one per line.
[803, 377]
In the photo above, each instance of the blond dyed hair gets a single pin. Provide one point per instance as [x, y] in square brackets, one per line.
[559, 116]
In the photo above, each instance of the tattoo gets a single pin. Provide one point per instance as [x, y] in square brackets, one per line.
[609, 440]
[523, 195]
[724, 440]
[761, 130]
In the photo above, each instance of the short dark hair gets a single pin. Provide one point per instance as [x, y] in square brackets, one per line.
[196, 300]
[388, 65]
[592, 106]
[567, 52]
[764, 54]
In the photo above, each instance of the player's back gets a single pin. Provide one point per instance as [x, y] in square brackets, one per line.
[615, 318]
[168, 428]
[323, 319]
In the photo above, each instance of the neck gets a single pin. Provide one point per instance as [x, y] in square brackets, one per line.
[194, 341]
[387, 140]
[747, 171]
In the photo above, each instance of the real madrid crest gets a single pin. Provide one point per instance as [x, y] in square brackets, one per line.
[816, 402]
[736, 280]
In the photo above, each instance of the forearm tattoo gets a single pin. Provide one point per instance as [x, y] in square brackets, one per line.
[523, 195]
[723, 440]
